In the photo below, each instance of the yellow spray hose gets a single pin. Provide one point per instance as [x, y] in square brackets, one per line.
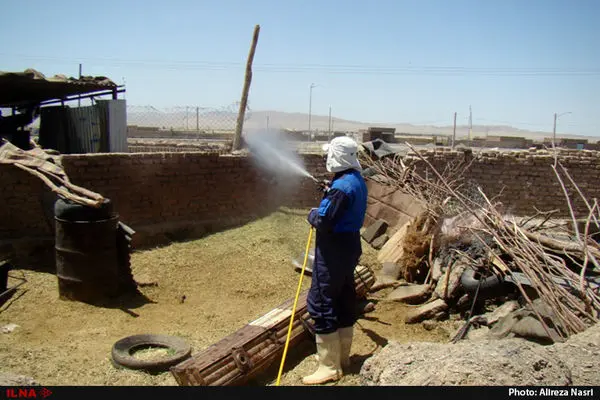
[289, 334]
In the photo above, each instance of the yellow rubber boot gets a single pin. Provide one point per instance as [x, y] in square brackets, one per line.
[328, 350]
[346, 335]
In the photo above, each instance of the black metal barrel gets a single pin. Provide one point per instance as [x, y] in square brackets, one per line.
[87, 262]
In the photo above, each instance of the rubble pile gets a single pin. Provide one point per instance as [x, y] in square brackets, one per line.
[510, 362]
[536, 277]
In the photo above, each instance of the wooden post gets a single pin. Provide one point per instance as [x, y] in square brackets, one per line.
[243, 104]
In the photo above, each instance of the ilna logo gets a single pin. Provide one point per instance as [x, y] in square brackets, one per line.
[27, 393]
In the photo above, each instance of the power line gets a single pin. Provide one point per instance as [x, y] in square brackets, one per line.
[330, 68]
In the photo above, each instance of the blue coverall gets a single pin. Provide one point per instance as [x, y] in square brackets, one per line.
[332, 298]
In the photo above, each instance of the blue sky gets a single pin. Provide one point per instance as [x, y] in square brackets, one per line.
[515, 62]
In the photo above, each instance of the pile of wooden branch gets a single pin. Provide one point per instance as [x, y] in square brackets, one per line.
[464, 228]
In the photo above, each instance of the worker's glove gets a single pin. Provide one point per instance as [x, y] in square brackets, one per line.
[312, 214]
[324, 186]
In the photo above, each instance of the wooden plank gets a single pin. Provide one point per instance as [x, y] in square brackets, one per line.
[392, 250]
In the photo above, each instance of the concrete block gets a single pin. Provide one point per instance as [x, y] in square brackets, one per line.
[376, 229]
[380, 241]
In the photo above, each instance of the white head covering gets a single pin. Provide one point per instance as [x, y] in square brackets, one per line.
[342, 154]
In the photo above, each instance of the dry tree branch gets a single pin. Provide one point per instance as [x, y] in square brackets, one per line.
[585, 250]
[543, 260]
[579, 192]
[575, 227]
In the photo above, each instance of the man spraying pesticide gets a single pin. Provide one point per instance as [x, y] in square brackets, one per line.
[331, 298]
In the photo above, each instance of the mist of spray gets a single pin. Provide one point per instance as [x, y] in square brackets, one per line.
[273, 153]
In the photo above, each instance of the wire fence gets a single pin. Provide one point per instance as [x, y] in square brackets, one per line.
[177, 126]
[184, 118]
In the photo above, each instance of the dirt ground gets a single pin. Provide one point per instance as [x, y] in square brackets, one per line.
[228, 279]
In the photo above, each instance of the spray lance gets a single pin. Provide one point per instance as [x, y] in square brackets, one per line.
[322, 185]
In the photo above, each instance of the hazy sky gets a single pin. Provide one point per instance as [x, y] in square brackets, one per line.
[516, 62]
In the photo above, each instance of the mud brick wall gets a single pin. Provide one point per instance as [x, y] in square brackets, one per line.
[163, 196]
[173, 196]
[524, 180]
[22, 197]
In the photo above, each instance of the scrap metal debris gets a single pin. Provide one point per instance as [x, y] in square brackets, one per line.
[471, 253]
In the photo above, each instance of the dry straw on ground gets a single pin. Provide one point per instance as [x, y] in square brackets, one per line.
[228, 279]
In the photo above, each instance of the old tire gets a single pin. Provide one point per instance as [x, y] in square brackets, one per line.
[122, 352]
[470, 280]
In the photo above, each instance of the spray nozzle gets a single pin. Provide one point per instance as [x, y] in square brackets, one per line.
[323, 185]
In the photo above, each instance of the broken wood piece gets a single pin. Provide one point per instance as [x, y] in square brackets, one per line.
[560, 245]
[498, 263]
[426, 311]
[393, 250]
[447, 286]
[436, 270]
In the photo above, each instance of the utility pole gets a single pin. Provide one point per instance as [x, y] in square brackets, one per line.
[470, 123]
[454, 132]
[79, 101]
[198, 119]
[312, 85]
[556, 116]
[267, 124]
[554, 132]
[187, 125]
[329, 122]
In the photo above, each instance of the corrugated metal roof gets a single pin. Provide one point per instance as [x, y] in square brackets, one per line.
[32, 87]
